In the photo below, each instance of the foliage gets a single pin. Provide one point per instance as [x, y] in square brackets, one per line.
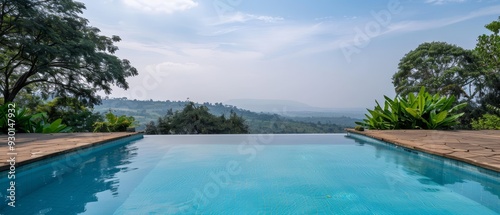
[197, 120]
[434, 111]
[114, 123]
[493, 109]
[423, 111]
[151, 128]
[440, 67]
[48, 48]
[41, 124]
[29, 123]
[488, 50]
[359, 128]
[72, 112]
[22, 120]
[472, 76]
[234, 124]
[386, 118]
[471, 111]
[147, 111]
[30, 101]
[487, 121]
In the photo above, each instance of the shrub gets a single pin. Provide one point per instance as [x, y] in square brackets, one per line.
[41, 124]
[114, 123]
[487, 121]
[72, 112]
[29, 123]
[359, 128]
[421, 111]
[493, 109]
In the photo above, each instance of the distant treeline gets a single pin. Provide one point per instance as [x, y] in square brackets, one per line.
[149, 111]
[195, 119]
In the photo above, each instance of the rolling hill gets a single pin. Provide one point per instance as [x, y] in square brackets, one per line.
[149, 110]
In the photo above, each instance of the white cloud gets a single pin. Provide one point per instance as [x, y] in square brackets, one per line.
[409, 26]
[350, 17]
[282, 39]
[161, 6]
[174, 66]
[438, 2]
[240, 17]
[269, 18]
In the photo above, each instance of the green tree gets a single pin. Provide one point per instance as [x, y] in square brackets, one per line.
[440, 68]
[151, 128]
[197, 120]
[235, 124]
[72, 113]
[45, 45]
[488, 50]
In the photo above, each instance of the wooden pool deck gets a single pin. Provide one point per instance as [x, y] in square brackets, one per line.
[33, 147]
[480, 148]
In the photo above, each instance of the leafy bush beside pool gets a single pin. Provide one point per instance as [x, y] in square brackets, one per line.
[23, 122]
[421, 111]
[114, 123]
[487, 121]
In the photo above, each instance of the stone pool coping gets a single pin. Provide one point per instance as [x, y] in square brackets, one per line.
[479, 148]
[34, 147]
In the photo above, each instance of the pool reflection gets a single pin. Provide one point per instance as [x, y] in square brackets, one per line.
[460, 177]
[75, 180]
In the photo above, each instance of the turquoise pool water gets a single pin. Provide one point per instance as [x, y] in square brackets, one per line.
[252, 174]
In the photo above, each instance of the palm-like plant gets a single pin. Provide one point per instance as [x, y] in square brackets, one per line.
[42, 125]
[421, 111]
[114, 123]
[30, 123]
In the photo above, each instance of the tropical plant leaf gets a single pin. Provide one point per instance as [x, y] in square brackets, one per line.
[422, 111]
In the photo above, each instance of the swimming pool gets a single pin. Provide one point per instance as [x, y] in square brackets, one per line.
[252, 174]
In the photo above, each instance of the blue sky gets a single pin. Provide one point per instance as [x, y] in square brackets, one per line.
[323, 53]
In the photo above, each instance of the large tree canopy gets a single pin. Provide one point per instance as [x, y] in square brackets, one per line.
[488, 50]
[439, 67]
[46, 47]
